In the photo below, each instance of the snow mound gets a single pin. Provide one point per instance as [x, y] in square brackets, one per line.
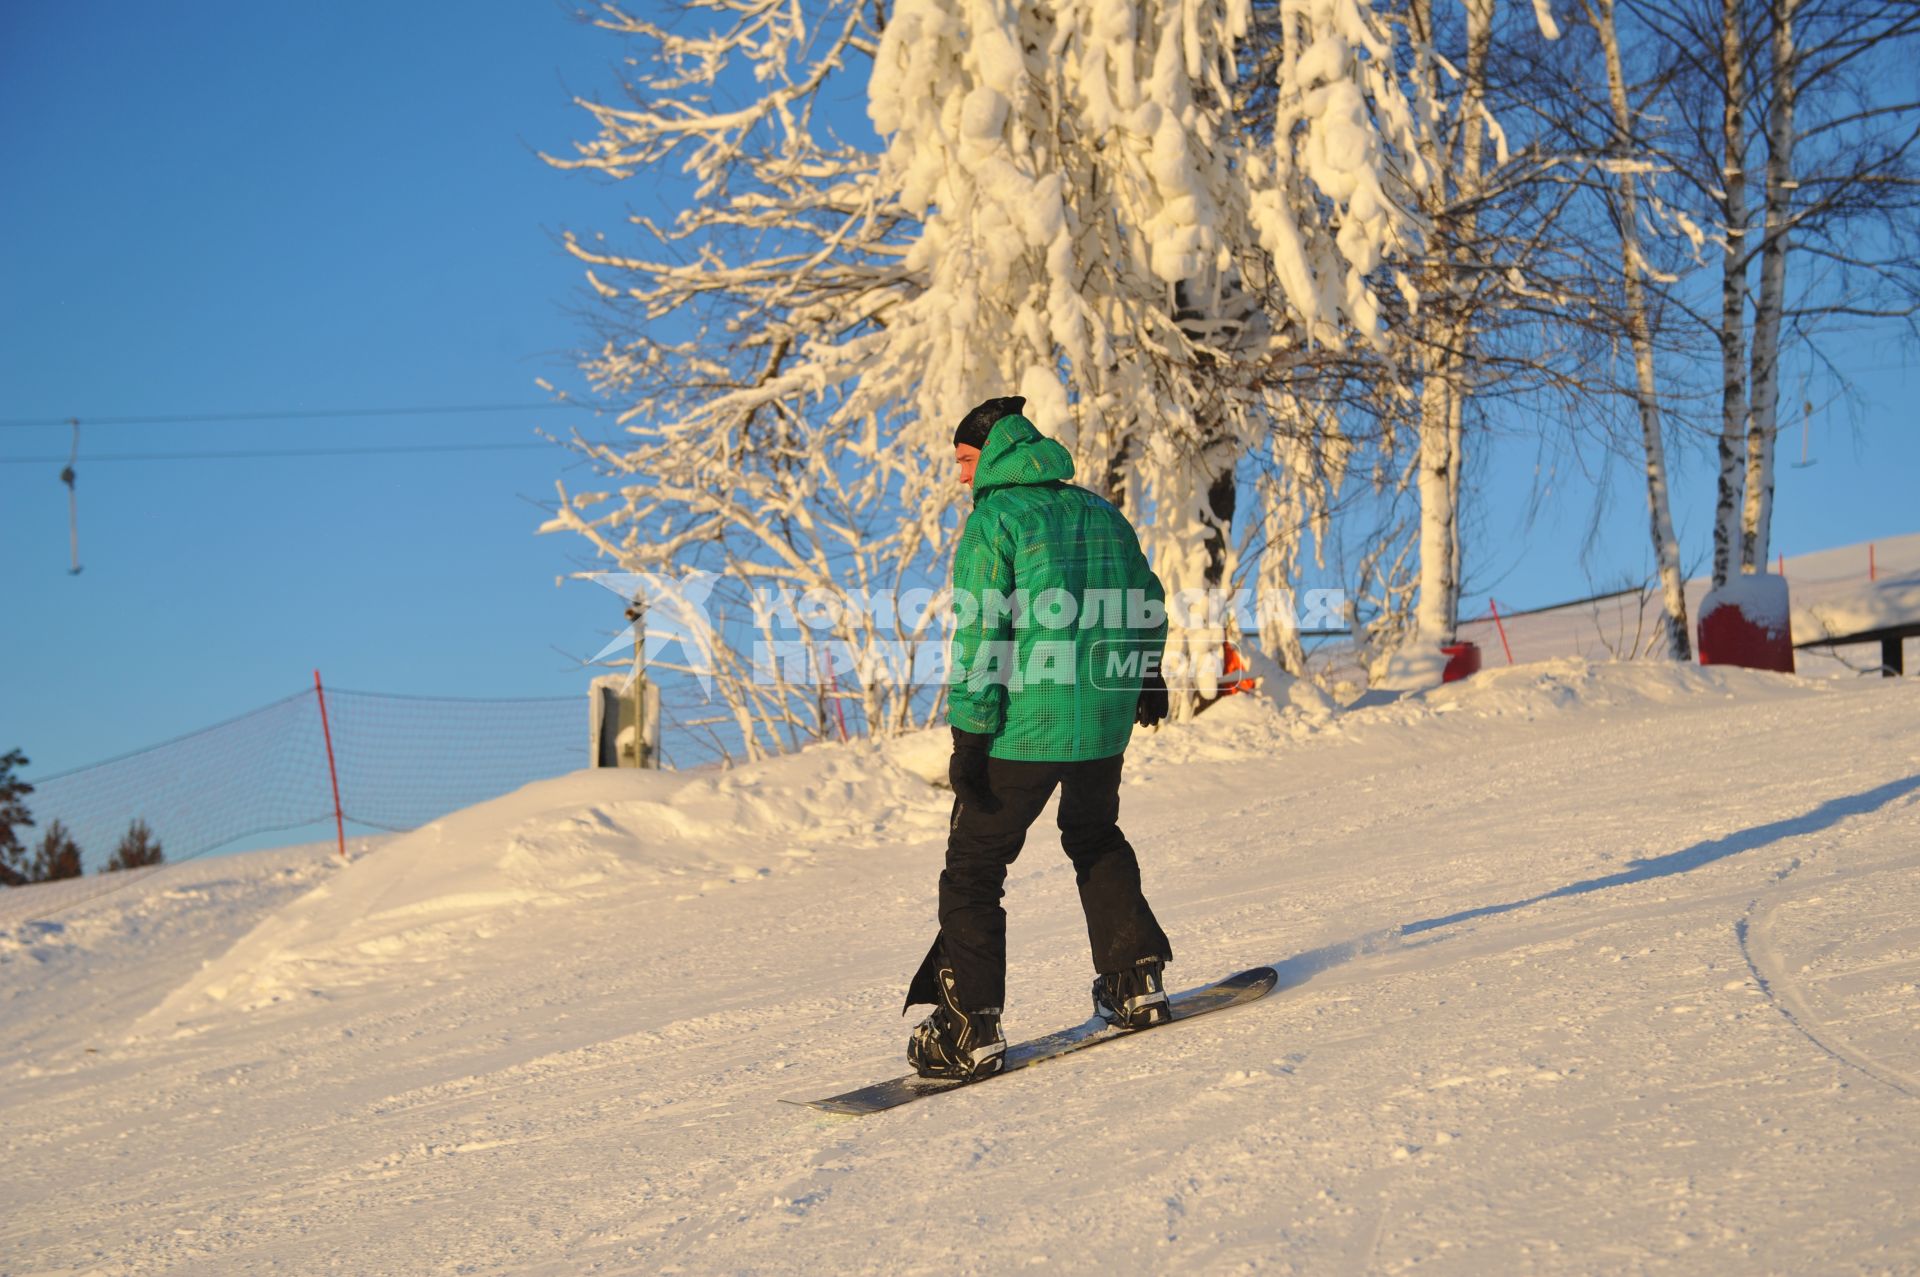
[1544, 688]
[82, 959]
[1287, 712]
[466, 878]
[1760, 597]
[1413, 669]
[923, 753]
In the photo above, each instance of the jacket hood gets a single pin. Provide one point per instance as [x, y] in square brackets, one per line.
[1017, 453]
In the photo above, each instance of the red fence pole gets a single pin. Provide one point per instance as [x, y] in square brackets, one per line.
[326, 732]
[1504, 646]
[1873, 573]
[1783, 565]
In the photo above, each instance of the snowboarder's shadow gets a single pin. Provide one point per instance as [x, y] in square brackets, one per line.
[1302, 967]
[1825, 816]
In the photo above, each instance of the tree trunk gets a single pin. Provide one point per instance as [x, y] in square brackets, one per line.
[1757, 516]
[1118, 477]
[1733, 291]
[1472, 153]
[1666, 547]
[1446, 320]
[1435, 616]
[1220, 500]
[1457, 445]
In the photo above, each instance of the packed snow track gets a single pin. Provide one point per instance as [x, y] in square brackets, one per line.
[1584, 968]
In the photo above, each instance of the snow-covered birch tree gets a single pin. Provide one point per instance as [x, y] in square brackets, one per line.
[1062, 205]
[1230, 253]
[1465, 270]
[733, 339]
[1104, 237]
[1841, 110]
[1626, 168]
[1823, 90]
[1730, 200]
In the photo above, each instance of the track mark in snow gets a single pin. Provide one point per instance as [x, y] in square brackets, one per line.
[1375, 1236]
[1777, 989]
[1742, 930]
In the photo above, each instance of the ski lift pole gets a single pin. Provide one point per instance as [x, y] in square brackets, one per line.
[833, 683]
[637, 614]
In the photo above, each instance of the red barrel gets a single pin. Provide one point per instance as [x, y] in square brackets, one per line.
[1744, 623]
[1462, 659]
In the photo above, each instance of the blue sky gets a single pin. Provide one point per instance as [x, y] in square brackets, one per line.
[226, 207]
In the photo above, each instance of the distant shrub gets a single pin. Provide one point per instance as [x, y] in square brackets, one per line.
[138, 848]
[58, 856]
[15, 865]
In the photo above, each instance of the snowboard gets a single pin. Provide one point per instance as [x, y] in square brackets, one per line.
[1221, 994]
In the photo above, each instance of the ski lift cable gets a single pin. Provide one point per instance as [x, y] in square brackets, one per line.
[290, 414]
[264, 453]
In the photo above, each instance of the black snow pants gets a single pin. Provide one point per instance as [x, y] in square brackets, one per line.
[980, 847]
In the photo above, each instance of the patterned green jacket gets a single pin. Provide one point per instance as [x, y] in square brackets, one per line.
[1055, 673]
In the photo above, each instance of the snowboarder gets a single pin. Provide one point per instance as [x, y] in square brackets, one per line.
[1055, 658]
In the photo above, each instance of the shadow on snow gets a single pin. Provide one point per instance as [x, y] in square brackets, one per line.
[1302, 967]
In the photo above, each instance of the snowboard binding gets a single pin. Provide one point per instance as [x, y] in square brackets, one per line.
[955, 1043]
[1134, 998]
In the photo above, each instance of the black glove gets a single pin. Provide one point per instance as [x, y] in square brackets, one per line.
[1152, 706]
[967, 770]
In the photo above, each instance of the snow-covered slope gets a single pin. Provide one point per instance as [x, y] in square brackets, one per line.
[1585, 968]
[649, 839]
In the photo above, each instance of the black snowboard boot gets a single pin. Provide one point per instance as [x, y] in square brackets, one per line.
[956, 1043]
[1132, 999]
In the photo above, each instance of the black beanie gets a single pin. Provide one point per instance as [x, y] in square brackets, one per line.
[976, 425]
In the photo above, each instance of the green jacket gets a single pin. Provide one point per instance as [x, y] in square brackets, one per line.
[1054, 676]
